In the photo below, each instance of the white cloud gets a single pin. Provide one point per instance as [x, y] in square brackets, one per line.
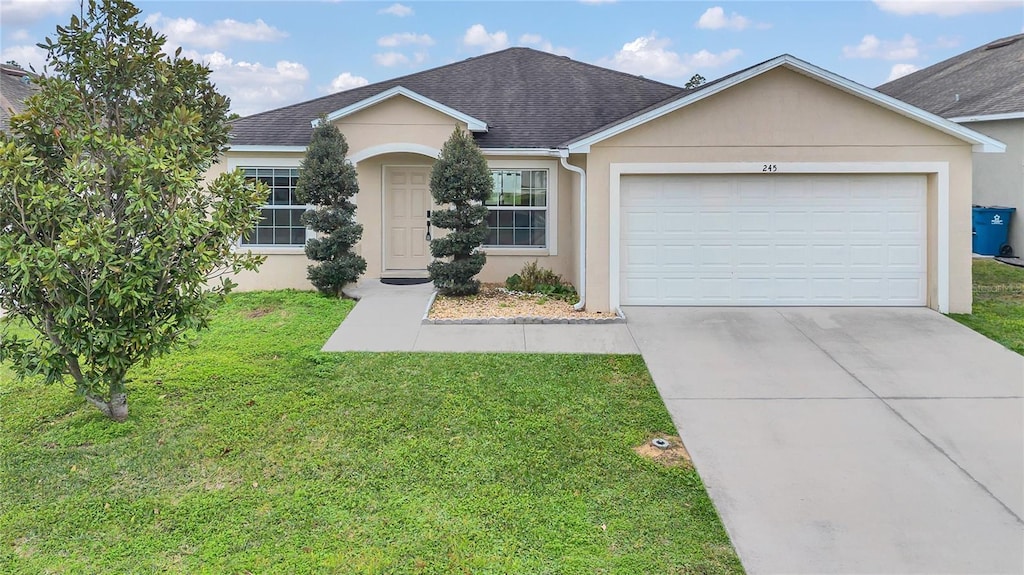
[25, 55]
[477, 37]
[390, 59]
[900, 70]
[405, 39]
[715, 19]
[344, 81]
[188, 32]
[26, 11]
[944, 7]
[252, 86]
[650, 56]
[871, 47]
[20, 35]
[400, 10]
[537, 41]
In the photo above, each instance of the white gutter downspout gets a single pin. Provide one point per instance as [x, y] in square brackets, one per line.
[563, 155]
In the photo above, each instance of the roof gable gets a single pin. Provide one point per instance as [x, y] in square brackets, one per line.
[984, 83]
[473, 124]
[980, 142]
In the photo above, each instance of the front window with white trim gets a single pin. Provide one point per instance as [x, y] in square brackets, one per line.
[518, 208]
[280, 220]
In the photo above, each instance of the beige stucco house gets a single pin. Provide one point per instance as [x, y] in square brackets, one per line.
[781, 184]
[981, 89]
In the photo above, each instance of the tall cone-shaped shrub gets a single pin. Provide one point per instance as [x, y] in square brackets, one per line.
[462, 180]
[328, 181]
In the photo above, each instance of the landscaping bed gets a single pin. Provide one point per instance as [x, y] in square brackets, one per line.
[254, 452]
[498, 303]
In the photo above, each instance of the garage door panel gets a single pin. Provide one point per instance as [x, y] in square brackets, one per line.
[679, 222]
[905, 222]
[775, 240]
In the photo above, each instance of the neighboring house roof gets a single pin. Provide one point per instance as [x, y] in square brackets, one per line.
[981, 142]
[527, 98]
[15, 87]
[985, 81]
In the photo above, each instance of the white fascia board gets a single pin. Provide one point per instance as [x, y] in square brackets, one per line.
[981, 142]
[473, 124]
[988, 117]
[266, 148]
[544, 152]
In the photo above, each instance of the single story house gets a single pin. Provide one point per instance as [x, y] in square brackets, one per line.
[780, 184]
[981, 89]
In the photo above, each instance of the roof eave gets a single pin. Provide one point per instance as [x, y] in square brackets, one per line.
[472, 124]
[980, 142]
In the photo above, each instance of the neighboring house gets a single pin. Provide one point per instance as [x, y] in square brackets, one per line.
[15, 87]
[781, 184]
[982, 89]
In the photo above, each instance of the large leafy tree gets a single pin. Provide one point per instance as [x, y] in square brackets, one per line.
[113, 248]
[460, 178]
[328, 181]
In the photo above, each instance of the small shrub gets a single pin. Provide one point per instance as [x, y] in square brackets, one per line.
[514, 283]
[535, 279]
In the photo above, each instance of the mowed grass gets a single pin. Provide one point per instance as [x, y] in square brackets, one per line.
[255, 453]
[998, 310]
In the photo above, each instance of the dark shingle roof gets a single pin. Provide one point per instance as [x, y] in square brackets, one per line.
[988, 80]
[14, 89]
[529, 99]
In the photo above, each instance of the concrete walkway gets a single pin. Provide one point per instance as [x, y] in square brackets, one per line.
[389, 318]
[852, 440]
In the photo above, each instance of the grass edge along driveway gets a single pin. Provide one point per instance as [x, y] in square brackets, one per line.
[253, 452]
[998, 309]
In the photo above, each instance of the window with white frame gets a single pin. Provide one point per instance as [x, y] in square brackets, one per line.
[280, 220]
[518, 208]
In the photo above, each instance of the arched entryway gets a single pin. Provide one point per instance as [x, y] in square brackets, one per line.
[394, 201]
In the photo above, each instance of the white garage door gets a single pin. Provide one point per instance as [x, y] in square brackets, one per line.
[773, 239]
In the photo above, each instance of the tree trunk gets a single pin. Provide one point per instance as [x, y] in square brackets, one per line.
[116, 408]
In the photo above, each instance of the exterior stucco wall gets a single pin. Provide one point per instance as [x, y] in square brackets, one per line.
[999, 178]
[780, 117]
[286, 267]
[396, 120]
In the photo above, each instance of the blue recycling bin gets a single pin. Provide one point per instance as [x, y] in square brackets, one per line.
[991, 229]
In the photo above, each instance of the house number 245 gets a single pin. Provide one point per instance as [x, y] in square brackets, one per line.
[769, 168]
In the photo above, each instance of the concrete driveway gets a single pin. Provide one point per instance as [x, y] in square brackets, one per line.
[848, 440]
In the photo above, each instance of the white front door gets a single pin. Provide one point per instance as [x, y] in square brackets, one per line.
[773, 240]
[406, 201]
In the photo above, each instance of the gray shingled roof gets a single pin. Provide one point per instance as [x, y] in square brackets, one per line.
[13, 92]
[988, 80]
[529, 99]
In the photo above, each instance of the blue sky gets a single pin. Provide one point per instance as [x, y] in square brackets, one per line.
[272, 53]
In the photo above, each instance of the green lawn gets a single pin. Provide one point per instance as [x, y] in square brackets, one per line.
[256, 453]
[998, 311]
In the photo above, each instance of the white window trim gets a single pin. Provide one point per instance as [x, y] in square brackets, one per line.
[552, 208]
[940, 169]
[270, 163]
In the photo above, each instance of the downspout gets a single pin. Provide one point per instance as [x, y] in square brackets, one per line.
[563, 155]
